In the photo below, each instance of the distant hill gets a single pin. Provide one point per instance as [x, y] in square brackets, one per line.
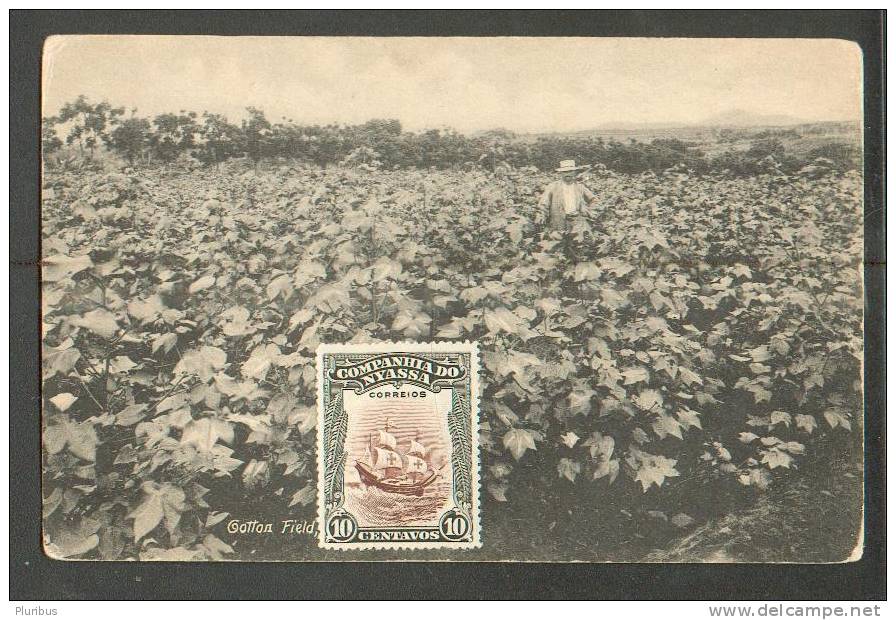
[737, 118]
[743, 118]
[617, 126]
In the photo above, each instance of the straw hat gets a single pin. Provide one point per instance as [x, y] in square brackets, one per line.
[569, 165]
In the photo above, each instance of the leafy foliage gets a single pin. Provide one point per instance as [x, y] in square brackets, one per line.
[87, 122]
[700, 330]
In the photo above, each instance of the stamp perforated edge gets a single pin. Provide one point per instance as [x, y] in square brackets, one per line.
[446, 346]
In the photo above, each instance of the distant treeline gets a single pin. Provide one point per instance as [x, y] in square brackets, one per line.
[210, 139]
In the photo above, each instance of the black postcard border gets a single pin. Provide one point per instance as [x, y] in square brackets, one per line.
[33, 576]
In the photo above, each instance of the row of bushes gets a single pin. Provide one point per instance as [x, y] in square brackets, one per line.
[211, 139]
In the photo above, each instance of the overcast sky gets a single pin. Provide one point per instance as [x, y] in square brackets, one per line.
[523, 84]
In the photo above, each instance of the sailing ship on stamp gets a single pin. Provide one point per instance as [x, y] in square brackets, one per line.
[400, 471]
[385, 468]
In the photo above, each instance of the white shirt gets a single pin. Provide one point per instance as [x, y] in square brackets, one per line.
[570, 200]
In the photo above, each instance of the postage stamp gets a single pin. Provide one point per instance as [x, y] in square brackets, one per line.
[398, 461]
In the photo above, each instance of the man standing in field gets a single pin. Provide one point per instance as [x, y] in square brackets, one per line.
[564, 201]
[564, 204]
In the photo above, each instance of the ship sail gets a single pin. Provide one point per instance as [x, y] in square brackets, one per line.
[415, 465]
[387, 440]
[386, 458]
[384, 467]
[351, 477]
[417, 449]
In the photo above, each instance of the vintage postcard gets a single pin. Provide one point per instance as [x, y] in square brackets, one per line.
[452, 299]
[398, 456]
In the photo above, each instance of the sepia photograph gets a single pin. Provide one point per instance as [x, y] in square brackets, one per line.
[476, 299]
